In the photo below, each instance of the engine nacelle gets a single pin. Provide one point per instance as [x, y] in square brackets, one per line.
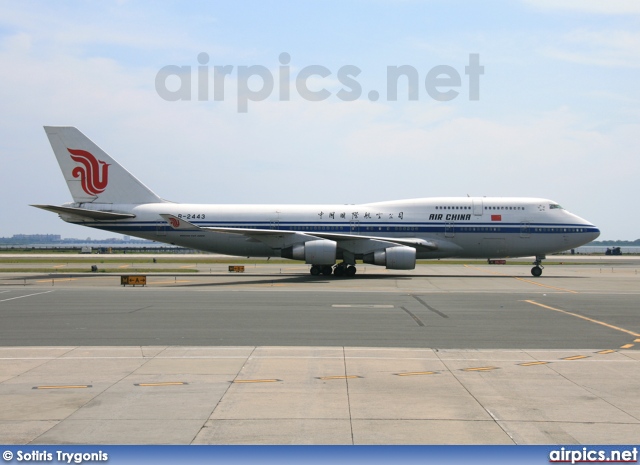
[320, 252]
[394, 258]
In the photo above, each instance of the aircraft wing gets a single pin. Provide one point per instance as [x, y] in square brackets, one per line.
[408, 241]
[270, 236]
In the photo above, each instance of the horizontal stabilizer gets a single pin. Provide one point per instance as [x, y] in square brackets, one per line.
[84, 213]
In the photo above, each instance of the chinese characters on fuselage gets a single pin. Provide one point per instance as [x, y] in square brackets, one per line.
[366, 215]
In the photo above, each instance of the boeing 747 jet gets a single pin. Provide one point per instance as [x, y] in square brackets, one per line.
[330, 238]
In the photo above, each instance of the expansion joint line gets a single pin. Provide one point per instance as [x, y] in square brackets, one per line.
[36, 367]
[346, 379]
[92, 399]
[593, 392]
[224, 393]
[461, 383]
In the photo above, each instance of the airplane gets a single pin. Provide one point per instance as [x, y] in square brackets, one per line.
[330, 238]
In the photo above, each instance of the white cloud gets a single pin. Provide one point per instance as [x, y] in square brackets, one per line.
[296, 151]
[290, 152]
[609, 7]
[610, 48]
[137, 28]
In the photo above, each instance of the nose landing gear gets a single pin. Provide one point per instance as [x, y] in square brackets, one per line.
[537, 269]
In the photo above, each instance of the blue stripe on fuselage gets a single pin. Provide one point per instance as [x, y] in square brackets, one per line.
[397, 227]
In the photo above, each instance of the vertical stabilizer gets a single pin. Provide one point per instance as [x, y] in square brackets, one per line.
[91, 174]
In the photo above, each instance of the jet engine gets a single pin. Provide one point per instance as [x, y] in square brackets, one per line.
[394, 258]
[320, 252]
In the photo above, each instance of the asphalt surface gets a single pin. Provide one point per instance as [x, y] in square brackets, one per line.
[445, 354]
[218, 317]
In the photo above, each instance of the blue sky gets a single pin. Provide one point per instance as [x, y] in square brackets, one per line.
[558, 114]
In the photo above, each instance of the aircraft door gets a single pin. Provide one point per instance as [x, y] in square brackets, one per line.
[525, 230]
[478, 207]
[274, 223]
[449, 230]
[354, 227]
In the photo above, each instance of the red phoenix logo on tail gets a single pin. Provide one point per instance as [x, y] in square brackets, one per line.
[174, 222]
[93, 174]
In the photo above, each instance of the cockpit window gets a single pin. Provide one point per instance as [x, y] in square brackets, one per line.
[554, 206]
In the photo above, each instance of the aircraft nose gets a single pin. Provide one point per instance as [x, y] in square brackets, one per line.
[593, 234]
[590, 232]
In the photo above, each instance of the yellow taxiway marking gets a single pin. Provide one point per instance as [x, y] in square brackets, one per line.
[240, 381]
[59, 266]
[170, 383]
[546, 285]
[608, 351]
[417, 373]
[80, 386]
[124, 266]
[189, 266]
[528, 364]
[617, 328]
[340, 377]
[627, 346]
[56, 279]
[169, 282]
[575, 357]
[480, 369]
[636, 340]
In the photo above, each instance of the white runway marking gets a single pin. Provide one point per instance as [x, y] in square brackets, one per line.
[23, 296]
[361, 306]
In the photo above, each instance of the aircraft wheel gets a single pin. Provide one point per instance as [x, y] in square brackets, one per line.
[339, 270]
[315, 270]
[351, 271]
[327, 270]
[536, 271]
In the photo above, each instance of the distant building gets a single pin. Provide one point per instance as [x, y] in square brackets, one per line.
[36, 238]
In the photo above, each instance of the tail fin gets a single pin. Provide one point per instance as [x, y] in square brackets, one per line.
[91, 174]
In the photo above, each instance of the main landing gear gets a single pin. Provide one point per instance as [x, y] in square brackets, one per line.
[325, 270]
[341, 269]
[537, 269]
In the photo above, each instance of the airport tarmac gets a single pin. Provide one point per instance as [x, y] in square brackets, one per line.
[444, 354]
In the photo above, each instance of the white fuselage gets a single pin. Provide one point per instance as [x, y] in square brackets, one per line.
[487, 227]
